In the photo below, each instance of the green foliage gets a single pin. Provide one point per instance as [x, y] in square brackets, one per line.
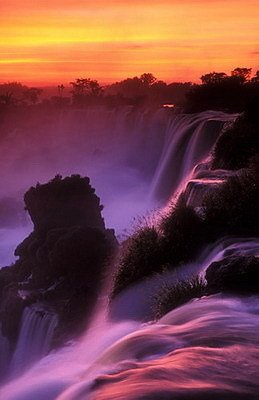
[173, 296]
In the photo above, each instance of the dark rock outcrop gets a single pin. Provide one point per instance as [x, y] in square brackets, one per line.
[63, 262]
[234, 274]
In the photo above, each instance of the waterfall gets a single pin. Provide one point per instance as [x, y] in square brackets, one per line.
[36, 332]
[135, 303]
[194, 343]
[189, 139]
[207, 348]
[118, 148]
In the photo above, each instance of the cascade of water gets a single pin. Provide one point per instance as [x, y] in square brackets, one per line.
[36, 332]
[189, 139]
[126, 360]
[136, 302]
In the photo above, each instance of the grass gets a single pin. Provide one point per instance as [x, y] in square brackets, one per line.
[173, 296]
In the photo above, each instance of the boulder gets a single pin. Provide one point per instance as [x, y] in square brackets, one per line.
[238, 274]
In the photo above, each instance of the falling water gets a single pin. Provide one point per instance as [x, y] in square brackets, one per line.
[36, 332]
[207, 348]
[189, 139]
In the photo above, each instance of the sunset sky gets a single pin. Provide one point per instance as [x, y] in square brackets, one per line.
[56, 41]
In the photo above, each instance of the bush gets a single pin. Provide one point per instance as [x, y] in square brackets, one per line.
[183, 233]
[227, 93]
[233, 208]
[236, 146]
[140, 256]
[173, 296]
[177, 240]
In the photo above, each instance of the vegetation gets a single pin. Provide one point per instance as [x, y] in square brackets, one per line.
[176, 240]
[233, 274]
[141, 256]
[85, 92]
[217, 91]
[136, 91]
[173, 296]
[63, 261]
[239, 143]
[236, 146]
[233, 208]
[182, 233]
[220, 91]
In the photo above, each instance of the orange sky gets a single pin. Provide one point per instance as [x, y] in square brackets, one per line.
[56, 41]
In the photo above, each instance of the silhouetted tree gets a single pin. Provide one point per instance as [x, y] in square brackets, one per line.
[220, 91]
[213, 78]
[61, 89]
[7, 99]
[32, 95]
[255, 78]
[148, 79]
[12, 93]
[242, 74]
[85, 90]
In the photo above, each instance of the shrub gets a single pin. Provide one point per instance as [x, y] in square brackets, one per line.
[173, 296]
[183, 233]
[176, 241]
[141, 256]
[236, 146]
[233, 208]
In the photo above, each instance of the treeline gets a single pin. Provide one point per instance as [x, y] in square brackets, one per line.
[217, 91]
[136, 91]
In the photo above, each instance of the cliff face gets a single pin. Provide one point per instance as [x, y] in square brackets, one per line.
[62, 263]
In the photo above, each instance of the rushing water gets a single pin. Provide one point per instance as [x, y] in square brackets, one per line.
[189, 139]
[36, 332]
[208, 348]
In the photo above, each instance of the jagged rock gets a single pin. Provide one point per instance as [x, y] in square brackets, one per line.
[62, 263]
[64, 203]
[12, 306]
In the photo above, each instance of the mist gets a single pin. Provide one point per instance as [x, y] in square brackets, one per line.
[117, 148]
